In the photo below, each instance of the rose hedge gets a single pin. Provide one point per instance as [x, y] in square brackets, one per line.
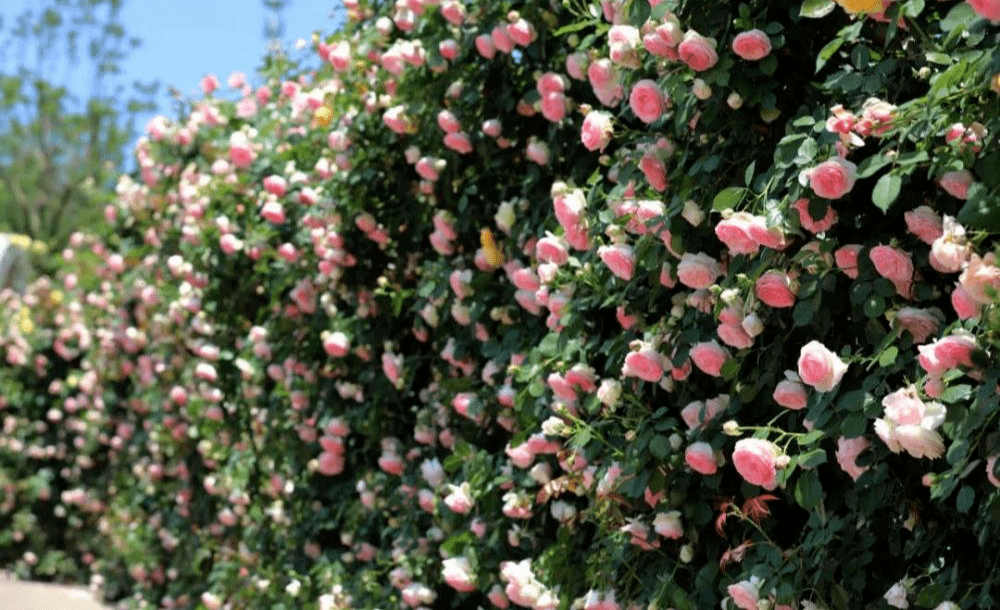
[643, 304]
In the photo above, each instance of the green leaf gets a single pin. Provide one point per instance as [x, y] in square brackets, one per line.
[886, 191]
[871, 165]
[803, 312]
[638, 12]
[988, 169]
[931, 596]
[966, 496]
[814, 9]
[888, 357]
[980, 210]
[913, 8]
[955, 393]
[659, 446]
[810, 437]
[948, 79]
[748, 174]
[574, 27]
[730, 369]
[808, 490]
[854, 425]
[813, 458]
[728, 198]
[938, 58]
[960, 16]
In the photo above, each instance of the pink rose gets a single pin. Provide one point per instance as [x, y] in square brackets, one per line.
[848, 450]
[447, 121]
[790, 393]
[921, 323]
[744, 594]
[554, 106]
[699, 414]
[990, 462]
[655, 170]
[809, 223]
[457, 572]
[752, 45]
[734, 335]
[774, 289]
[819, 367]
[735, 232]
[697, 51]
[987, 9]
[646, 364]
[947, 353]
[459, 142]
[847, 259]
[951, 249]
[647, 101]
[597, 130]
[832, 179]
[449, 49]
[698, 270]
[755, 459]
[925, 223]
[709, 357]
[460, 498]
[552, 249]
[620, 259]
[981, 280]
[700, 457]
[963, 304]
[485, 46]
[666, 524]
[894, 265]
[957, 183]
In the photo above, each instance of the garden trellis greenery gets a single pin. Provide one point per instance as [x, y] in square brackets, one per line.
[537, 304]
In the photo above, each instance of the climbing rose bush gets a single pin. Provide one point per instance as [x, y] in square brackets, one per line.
[545, 305]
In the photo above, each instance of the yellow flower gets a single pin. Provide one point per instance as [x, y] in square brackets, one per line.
[55, 297]
[323, 115]
[24, 322]
[493, 254]
[21, 241]
[861, 6]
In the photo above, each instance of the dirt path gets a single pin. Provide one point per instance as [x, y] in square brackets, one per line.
[22, 595]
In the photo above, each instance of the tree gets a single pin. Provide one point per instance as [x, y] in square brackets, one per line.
[59, 148]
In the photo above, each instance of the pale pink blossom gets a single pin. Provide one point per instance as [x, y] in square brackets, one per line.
[957, 183]
[646, 363]
[697, 51]
[790, 392]
[620, 259]
[459, 498]
[597, 130]
[752, 45]
[648, 101]
[809, 223]
[698, 270]
[920, 323]
[709, 357]
[846, 258]
[756, 461]
[700, 457]
[819, 367]
[832, 179]
[774, 288]
[925, 223]
[847, 454]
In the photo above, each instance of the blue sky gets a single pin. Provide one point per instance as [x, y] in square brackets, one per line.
[185, 39]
